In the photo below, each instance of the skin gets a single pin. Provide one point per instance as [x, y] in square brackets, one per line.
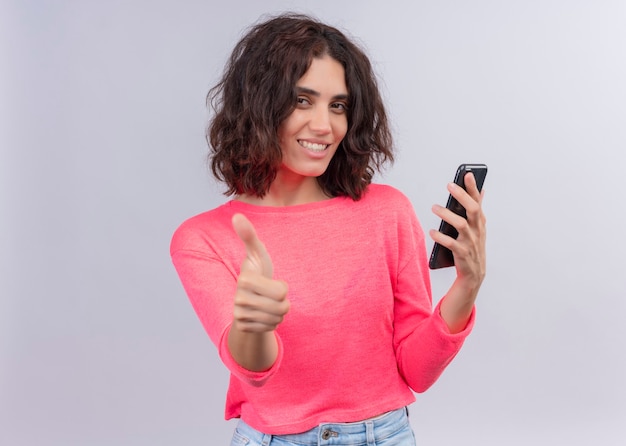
[320, 119]
[260, 302]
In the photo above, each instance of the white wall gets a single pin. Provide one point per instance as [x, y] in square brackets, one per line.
[102, 156]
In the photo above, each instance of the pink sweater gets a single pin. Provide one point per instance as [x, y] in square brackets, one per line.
[360, 333]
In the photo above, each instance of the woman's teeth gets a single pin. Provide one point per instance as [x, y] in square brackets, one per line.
[312, 146]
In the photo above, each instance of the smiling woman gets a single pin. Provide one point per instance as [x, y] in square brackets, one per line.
[311, 260]
[263, 84]
[310, 135]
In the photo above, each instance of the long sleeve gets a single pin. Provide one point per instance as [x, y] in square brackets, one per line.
[424, 345]
[210, 280]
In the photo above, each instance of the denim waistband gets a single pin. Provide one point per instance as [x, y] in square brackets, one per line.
[363, 432]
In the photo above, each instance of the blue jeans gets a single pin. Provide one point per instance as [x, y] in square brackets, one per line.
[390, 429]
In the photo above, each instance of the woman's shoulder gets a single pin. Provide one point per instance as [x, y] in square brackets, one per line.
[197, 230]
[385, 193]
[383, 189]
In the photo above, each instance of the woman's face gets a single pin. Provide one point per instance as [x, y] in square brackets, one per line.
[310, 135]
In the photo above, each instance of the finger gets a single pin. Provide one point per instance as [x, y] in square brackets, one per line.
[252, 315]
[473, 207]
[245, 231]
[264, 307]
[471, 187]
[444, 240]
[471, 204]
[256, 254]
[456, 221]
[253, 326]
[259, 310]
[262, 286]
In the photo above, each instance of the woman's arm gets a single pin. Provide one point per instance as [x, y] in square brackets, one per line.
[259, 306]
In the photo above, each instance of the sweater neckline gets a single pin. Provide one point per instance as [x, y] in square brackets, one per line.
[296, 208]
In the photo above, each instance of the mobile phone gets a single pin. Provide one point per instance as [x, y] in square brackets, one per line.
[441, 257]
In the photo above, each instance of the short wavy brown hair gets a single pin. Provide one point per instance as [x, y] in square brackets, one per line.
[257, 93]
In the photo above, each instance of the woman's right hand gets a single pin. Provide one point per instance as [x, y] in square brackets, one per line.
[260, 303]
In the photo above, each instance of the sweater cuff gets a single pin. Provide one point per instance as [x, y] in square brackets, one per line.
[443, 326]
[255, 379]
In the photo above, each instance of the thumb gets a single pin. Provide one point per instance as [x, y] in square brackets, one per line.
[257, 257]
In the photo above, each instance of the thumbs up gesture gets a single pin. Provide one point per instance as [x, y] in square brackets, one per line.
[260, 301]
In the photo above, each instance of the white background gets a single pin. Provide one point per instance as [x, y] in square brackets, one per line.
[102, 121]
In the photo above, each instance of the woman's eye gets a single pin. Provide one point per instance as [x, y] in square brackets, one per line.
[302, 101]
[339, 107]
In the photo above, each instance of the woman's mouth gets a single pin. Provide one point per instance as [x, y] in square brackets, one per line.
[314, 147]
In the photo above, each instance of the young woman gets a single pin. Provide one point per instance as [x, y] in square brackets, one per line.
[313, 281]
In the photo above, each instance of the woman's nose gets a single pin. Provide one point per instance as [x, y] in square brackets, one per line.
[320, 121]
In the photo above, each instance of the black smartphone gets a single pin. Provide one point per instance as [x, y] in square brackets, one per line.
[441, 257]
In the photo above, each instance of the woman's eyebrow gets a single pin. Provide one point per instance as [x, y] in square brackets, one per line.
[318, 94]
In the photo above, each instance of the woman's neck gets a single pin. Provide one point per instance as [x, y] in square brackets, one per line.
[288, 193]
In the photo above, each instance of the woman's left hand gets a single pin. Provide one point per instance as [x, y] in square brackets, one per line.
[468, 249]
